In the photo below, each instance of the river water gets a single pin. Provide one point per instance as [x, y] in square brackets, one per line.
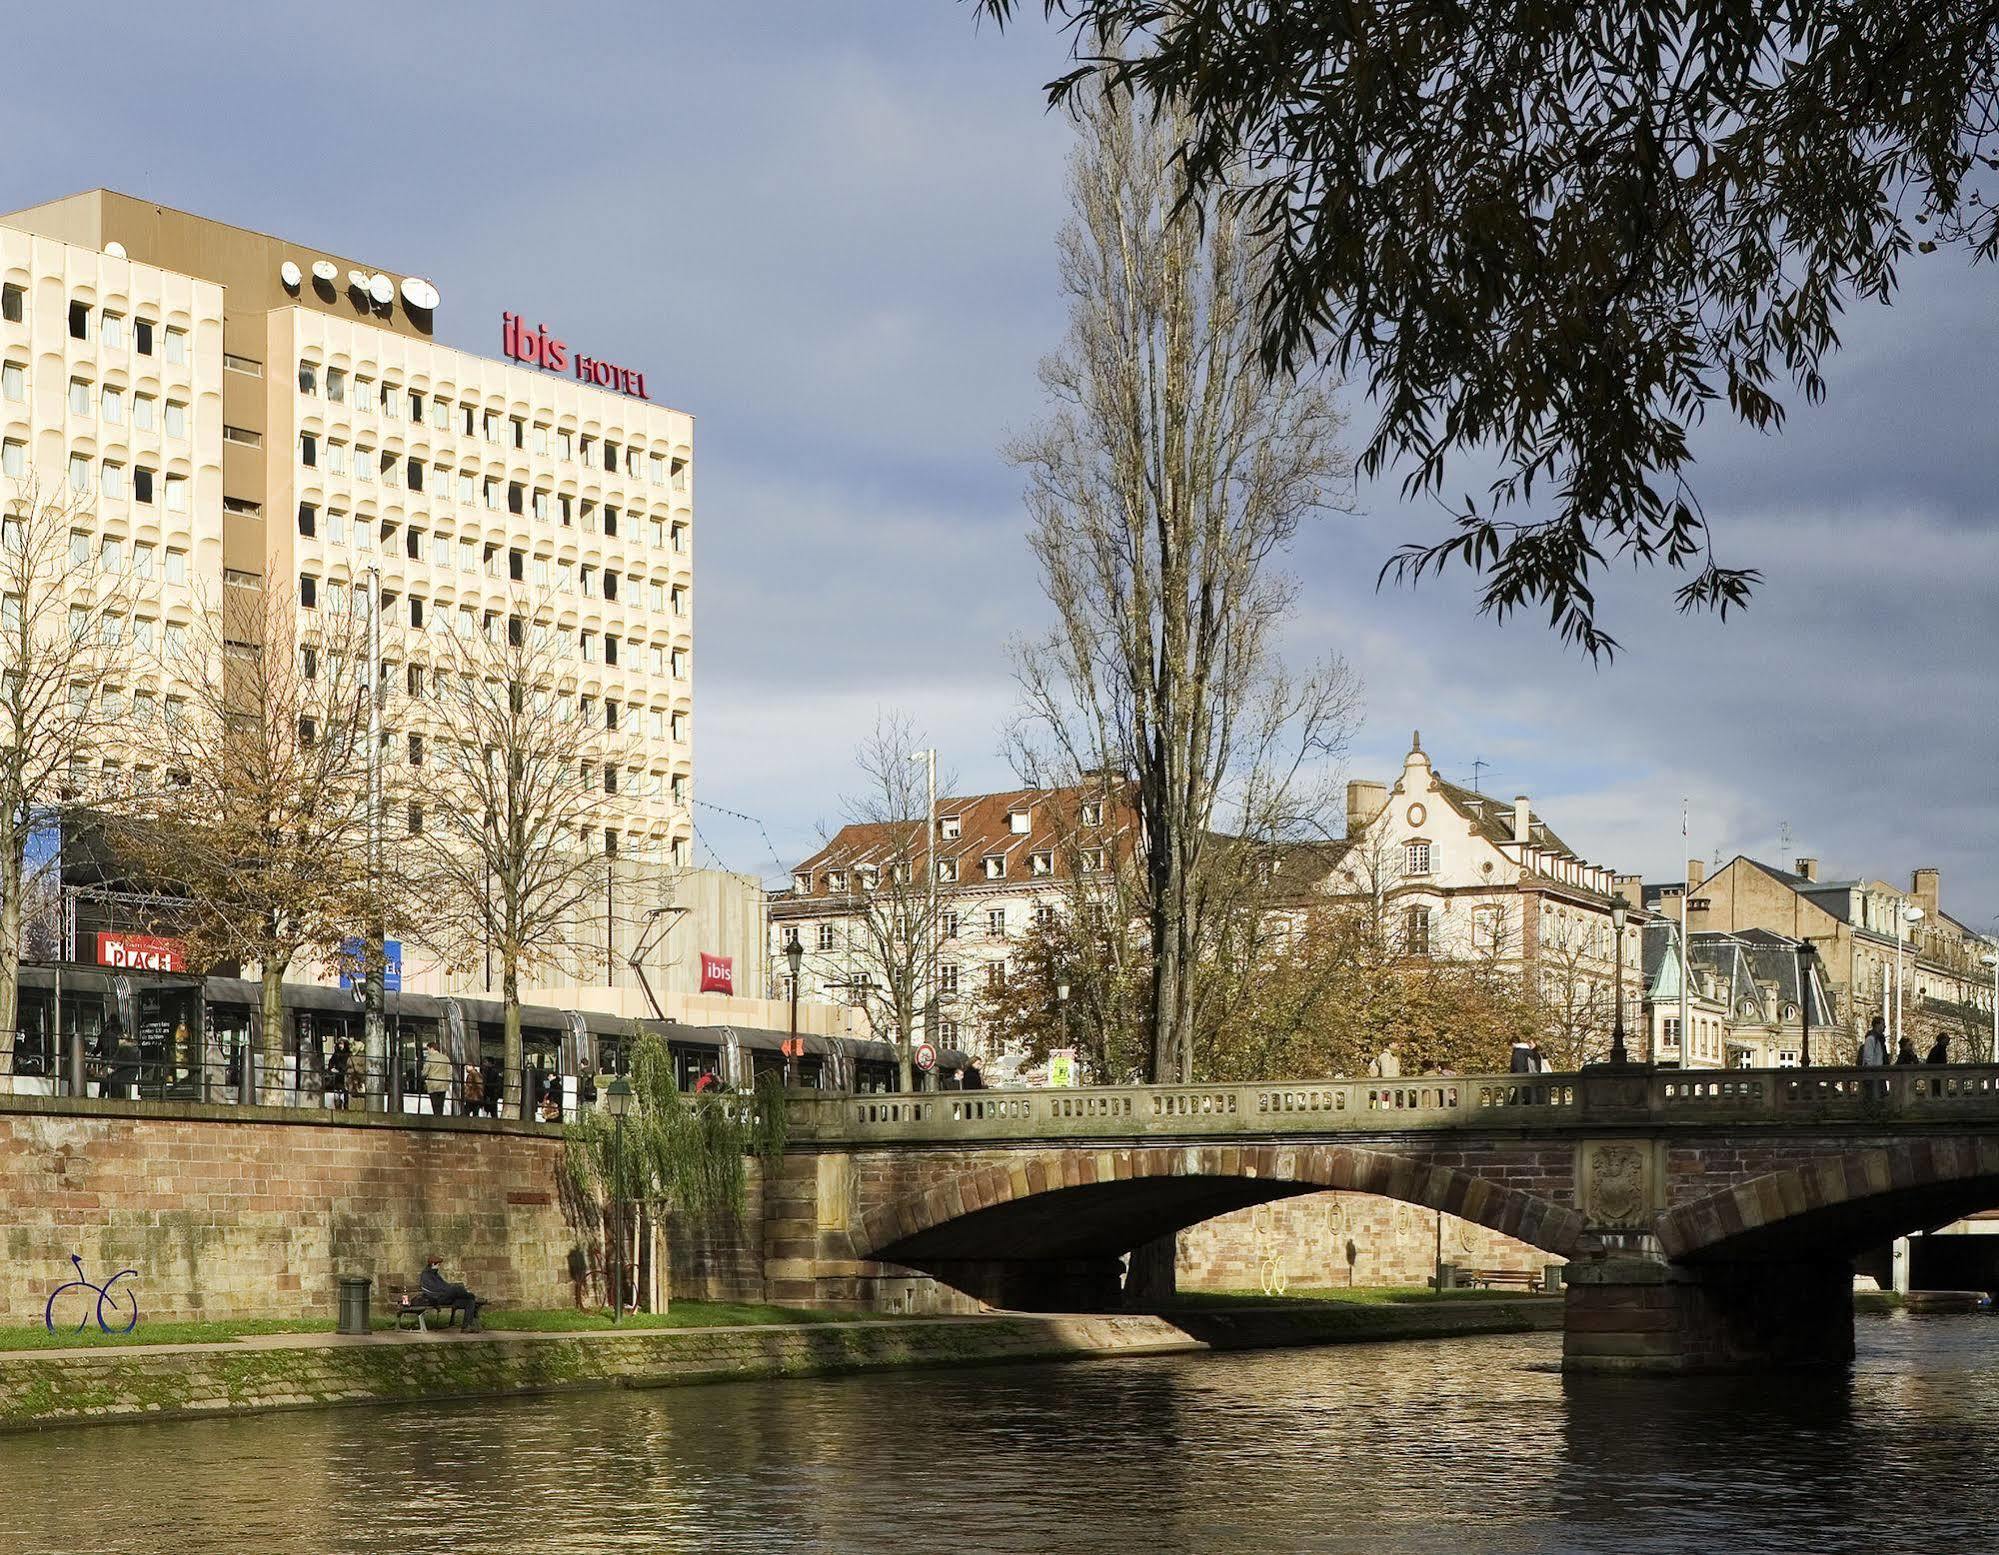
[1460, 1445]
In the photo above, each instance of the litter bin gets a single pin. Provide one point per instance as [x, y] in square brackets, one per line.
[1551, 1279]
[354, 1304]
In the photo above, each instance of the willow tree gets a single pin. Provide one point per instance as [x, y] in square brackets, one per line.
[667, 1153]
[63, 621]
[513, 786]
[259, 825]
[1561, 236]
[1172, 471]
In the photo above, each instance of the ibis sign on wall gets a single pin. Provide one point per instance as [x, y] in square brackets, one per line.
[539, 347]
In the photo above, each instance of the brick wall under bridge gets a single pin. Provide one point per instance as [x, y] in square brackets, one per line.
[1708, 1221]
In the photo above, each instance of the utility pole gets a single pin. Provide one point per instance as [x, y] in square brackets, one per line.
[929, 760]
[1686, 951]
[374, 1033]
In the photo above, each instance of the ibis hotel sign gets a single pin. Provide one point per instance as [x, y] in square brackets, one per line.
[541, 349]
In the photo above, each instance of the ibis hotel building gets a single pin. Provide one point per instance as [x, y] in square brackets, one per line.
[235, 410]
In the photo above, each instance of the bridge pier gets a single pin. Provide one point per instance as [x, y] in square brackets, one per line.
[1643, 1314]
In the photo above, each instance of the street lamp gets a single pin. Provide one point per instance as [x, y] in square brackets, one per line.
[794, 957]
[1618, 912]
[1905, 928]
[1806, 951]
[618, 1101]
[1993, 962]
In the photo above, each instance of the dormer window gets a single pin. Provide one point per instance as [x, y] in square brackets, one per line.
[1093, 812]
[1041, 863]
[1019, 822]
[949, 828]
[994, 866]
[947, 870]
[836, 880]
[1416, 858]
[802, 884]
[1093, 860]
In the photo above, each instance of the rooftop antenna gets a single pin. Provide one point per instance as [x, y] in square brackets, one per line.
[1479, 764]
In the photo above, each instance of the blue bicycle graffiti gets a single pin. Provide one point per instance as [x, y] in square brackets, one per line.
[124, 1304]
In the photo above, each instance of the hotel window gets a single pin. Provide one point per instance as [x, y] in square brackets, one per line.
[541, 441]
[14, 380]
[1416, 931]
[79, 548]
[14, 458]
[142, 563]
[240, 435]
[679, 600]
[79, 397]
[111, 405]
[610, 457]
[243, 365]
[364, 393]
[680, 539]
[79, 321]
[142, 413]
[520, 432]
[414, 474]
[440, 551]
[142, 633]
[584, 447]
[336, 454]
[1416, 858]
[364, 464]
[588, 642]
[142, 485]
[677, 663]
[610, 584]
[113, 332]
[114, 481]
[440, 415]
[416, 612]
[79, 473]
[308, 378]
[680, 788]
[392, 398]
[610, 649]
[308, 591]
[677, 728]
[336, 386]
[142, 336]
[610, 521]
[176, 493]
[565, 447]
[465, 486]
[176, 419]
[11, 300]
[564, 510]
[176, 346]
[416, 408]
[111, 556]
[176, 566]
[308, 519]
[540, 506]
[308, 450]
[336, 529]
[994, 866]
[516, 497]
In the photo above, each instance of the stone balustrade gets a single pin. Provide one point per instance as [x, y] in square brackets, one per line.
[1590, 1100]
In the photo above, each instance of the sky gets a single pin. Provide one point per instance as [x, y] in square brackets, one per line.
[827, 230]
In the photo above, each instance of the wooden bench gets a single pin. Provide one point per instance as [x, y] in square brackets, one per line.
[1488, 1279]
[411, 1303]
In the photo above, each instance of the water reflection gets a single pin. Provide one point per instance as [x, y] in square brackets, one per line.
[1472, 1445]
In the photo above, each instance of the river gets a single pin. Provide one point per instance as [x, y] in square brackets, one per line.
[1459, 1445]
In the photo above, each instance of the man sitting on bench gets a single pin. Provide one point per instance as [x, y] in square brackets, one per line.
[448, 1293]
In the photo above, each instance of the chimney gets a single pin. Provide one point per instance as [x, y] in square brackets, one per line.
[1808, 868]
[1631, 890]
[1696, 873]
[1364, 802]
[1924, 885]
[1523, 819]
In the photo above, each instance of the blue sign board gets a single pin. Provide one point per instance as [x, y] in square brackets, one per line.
[354, 964]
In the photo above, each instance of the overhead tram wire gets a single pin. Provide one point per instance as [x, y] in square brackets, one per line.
[755, 821]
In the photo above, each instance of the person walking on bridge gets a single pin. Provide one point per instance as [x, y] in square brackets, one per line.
[1387, 1064]
[1874, 1046]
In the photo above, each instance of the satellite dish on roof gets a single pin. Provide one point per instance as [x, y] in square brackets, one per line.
[382, 289]
[325, 270]
[115, 250]
[419, 293]
[357, 282]
[290, 274]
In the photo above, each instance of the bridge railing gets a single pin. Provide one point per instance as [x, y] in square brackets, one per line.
[1178, 1111]
[1601, 1097]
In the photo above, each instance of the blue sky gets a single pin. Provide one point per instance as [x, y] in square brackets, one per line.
[827, 231]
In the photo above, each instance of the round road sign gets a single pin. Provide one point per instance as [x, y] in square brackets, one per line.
[926, 1057]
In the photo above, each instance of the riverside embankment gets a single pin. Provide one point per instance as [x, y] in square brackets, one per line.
[43, 1388]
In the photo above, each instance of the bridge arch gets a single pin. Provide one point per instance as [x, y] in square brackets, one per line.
[1047, 1226]
[1836, 1206]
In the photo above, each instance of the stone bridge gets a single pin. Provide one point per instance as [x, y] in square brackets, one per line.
[1708, 1220]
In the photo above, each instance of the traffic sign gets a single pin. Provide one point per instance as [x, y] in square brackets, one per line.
[926, 1057]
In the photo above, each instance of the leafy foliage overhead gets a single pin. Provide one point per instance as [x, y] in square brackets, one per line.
[1562, 234]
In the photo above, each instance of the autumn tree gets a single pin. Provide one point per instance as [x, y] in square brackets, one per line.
[511, 785]
[64, 622]
[1563, 237]
[258, 827]
[1172, 471]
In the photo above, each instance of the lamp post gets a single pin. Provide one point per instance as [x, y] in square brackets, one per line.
[1993, 962]
[1618, 912]
[1805, 954]
[618, 1101]
[794, 958]
[1905, 928]
[1062, 1010]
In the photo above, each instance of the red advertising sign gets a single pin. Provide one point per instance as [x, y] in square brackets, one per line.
[718, 973]
[141, 953]
[541, 348]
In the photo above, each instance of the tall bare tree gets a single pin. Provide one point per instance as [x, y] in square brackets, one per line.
[63, 623]
[511, 785]
[1172, 471]
[896, 918]
[259, 824]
